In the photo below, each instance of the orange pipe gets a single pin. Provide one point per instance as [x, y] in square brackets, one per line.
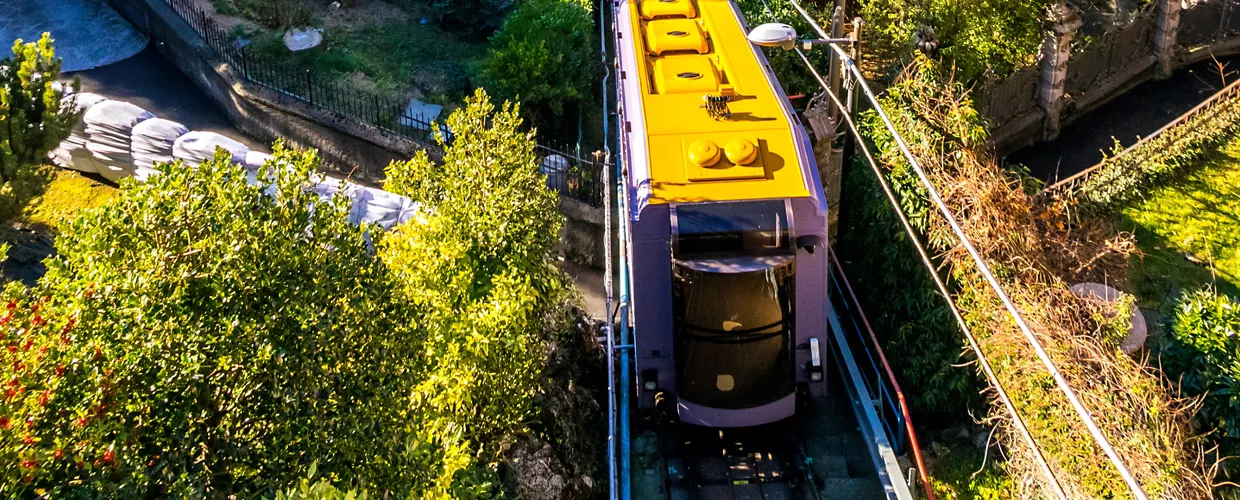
[908, 420]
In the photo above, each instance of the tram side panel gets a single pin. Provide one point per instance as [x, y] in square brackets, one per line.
[652, 303]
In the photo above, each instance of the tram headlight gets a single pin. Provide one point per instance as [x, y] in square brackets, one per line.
[650, 380]
[815, 361]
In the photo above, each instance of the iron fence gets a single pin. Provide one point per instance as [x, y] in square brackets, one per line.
[1003, 100]
[568, 174]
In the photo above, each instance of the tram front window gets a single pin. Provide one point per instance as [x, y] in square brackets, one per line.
[733, 323]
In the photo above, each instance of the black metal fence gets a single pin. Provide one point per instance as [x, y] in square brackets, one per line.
[569, 174]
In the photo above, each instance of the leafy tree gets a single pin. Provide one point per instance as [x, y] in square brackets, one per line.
[202, 336]
[544, 56]
[32, 119]
[479, 268]
[978, 37]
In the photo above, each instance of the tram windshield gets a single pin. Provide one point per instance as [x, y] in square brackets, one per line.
[734, 322]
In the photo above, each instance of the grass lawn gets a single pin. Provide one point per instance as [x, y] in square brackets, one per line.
[1188, 231]
[65, 196]
[376, 46]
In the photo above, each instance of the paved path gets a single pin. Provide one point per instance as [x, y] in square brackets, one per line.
[149, 81]
[1135, 114]
[87, 33]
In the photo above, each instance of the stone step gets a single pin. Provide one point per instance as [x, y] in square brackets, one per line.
[830, 466]
[852, 488]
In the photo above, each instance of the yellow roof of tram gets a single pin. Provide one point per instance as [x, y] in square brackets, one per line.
[688, 49]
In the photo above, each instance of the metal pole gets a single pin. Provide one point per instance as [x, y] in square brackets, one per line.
[609, 328]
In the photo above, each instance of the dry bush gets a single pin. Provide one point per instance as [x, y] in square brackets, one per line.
[1036, 251]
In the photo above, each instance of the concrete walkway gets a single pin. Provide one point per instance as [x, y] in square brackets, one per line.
[149, 81]
[87, 33]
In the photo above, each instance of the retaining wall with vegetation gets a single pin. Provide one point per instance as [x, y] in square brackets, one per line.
[1070, 80]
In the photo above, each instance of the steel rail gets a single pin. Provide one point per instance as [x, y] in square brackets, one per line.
[891, 377]
[1099, 438]
[942, 287]
[612, 476]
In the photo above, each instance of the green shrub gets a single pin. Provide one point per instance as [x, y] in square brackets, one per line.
[197, 337]
[472, 17]
[1205, 354]
[32, 120]
[1126, 174]
[277, 14]
[977, 37]
[478, 266]
[545, 56]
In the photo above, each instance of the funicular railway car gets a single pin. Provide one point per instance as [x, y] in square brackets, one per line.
[725, 272]
[726, 218]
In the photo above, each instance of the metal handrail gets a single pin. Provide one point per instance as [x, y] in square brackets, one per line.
[903, 417]
[1209, 103]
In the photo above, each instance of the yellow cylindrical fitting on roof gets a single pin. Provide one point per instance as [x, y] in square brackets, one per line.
[741, 151]
[703, 153]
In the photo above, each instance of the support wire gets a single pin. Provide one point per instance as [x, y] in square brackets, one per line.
[935, 198]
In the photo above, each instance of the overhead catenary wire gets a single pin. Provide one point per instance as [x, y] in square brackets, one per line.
[1022, 429]
[1099, 438]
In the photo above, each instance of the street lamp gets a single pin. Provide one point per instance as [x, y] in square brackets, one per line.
[784, 36]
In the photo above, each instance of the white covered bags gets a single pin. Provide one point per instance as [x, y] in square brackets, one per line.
[381, 207]
[152, 140]
[72, 152]
[196, 147]
[108, 125]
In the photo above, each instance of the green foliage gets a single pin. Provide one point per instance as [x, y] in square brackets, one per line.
[200, 336]
[1205, 353]
[278, 14]
[319, 490]
[921, 338]
[475, 17]
[1019, 242]
[977, 37]
[1125, 176]
[479, 267]
[32, 120]
[394, 56]
[960, 471]
[545, 56]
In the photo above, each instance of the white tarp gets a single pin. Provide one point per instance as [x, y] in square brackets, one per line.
[72, 153]
[152, 140]
[108, 125]
[255, 160]
[381, 207]
[197, 146]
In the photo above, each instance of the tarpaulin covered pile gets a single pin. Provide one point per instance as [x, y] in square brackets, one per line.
[108, 127]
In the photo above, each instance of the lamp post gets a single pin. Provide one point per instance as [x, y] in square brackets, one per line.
[785, 37]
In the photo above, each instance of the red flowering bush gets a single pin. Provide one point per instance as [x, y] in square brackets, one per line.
[202, 336]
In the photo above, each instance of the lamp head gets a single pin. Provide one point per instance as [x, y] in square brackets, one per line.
[773, 35]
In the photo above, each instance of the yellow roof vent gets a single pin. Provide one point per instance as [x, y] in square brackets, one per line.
[703, 153]
[707, 162]
[666, 35]
[659, 8]
[683, 74]
[740, 151]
